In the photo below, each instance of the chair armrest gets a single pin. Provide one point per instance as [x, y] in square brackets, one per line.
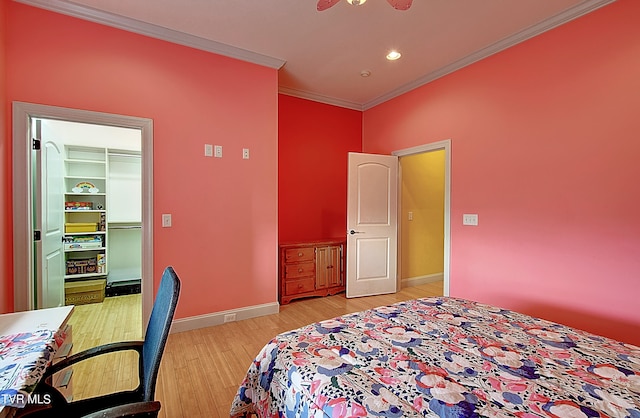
[137, 409]
[93, 352]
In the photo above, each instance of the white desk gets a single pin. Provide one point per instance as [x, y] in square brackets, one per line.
[52, 319]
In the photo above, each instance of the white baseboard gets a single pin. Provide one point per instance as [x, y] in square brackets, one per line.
[418, 280]
[217, 318]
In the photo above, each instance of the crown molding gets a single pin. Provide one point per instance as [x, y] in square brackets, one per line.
[170, 35]
[521, 36]
[320, 98]
[154, 31]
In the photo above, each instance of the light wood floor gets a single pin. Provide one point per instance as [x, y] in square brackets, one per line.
[201, 369]
[116, 319]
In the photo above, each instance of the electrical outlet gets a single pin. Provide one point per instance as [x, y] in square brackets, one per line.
[470, 219]
[217, 151]
[166, 220]
[229, 317]
[245, 153]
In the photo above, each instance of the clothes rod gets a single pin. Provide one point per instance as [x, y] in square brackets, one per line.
[126, 227]
[117, 154]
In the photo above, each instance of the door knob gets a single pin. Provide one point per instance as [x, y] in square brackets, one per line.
[353, 231]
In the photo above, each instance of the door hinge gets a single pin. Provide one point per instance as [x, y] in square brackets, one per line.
[35, 144]
[36, 235]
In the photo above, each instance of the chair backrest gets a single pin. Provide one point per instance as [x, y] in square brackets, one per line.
[164, 306]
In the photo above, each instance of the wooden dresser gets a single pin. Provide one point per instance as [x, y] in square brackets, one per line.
[313, 268]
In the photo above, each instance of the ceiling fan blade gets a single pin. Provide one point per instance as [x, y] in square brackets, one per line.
[325, 4]
[400, 4]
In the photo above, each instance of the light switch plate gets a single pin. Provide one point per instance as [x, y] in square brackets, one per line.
[208, 150]
[470, 219]
[166, 220]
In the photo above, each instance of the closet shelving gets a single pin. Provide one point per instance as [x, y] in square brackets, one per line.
[85, 212]
[124, 221]
[102, 239]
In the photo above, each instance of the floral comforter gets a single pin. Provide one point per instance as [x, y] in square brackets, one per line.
[442, 357]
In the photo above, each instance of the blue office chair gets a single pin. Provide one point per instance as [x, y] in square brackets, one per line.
[134, 403]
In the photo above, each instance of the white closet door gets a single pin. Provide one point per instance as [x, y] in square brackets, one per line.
[124, 189]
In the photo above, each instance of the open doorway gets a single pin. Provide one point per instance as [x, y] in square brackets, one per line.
[423, 220]
[28, 206]
[95, 175]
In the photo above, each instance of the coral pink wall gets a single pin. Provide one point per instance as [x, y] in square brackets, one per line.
[313, 142]
[223, 242]
[6, 292]
[545, 149]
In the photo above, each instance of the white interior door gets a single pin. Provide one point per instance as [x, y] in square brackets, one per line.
[50, 221]
[372, 225]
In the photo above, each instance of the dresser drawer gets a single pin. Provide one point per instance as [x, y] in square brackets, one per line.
[293, 287]
[294, 255]
[294, 271]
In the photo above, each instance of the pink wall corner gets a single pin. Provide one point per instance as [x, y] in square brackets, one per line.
[545, 150]
[6, 252]
[223, 243]
[314, 140]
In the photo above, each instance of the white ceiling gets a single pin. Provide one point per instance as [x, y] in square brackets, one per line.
[320, 55]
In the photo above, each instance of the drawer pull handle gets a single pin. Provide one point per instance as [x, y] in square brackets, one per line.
[300, 254]
[300, 270]
[329, 267]
[300, 286]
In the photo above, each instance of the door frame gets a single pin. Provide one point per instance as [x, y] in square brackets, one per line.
[23, 254]
[434, 146]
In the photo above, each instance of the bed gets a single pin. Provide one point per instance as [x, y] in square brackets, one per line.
[444, 357]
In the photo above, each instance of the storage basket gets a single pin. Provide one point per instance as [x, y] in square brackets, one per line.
[82, 266]
[83, 292]
[80, 227]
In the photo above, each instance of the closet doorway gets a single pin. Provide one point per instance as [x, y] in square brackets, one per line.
[424, 214]
[107, 165]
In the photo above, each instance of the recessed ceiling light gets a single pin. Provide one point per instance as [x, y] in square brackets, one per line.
[393, 55]
[356, 2]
